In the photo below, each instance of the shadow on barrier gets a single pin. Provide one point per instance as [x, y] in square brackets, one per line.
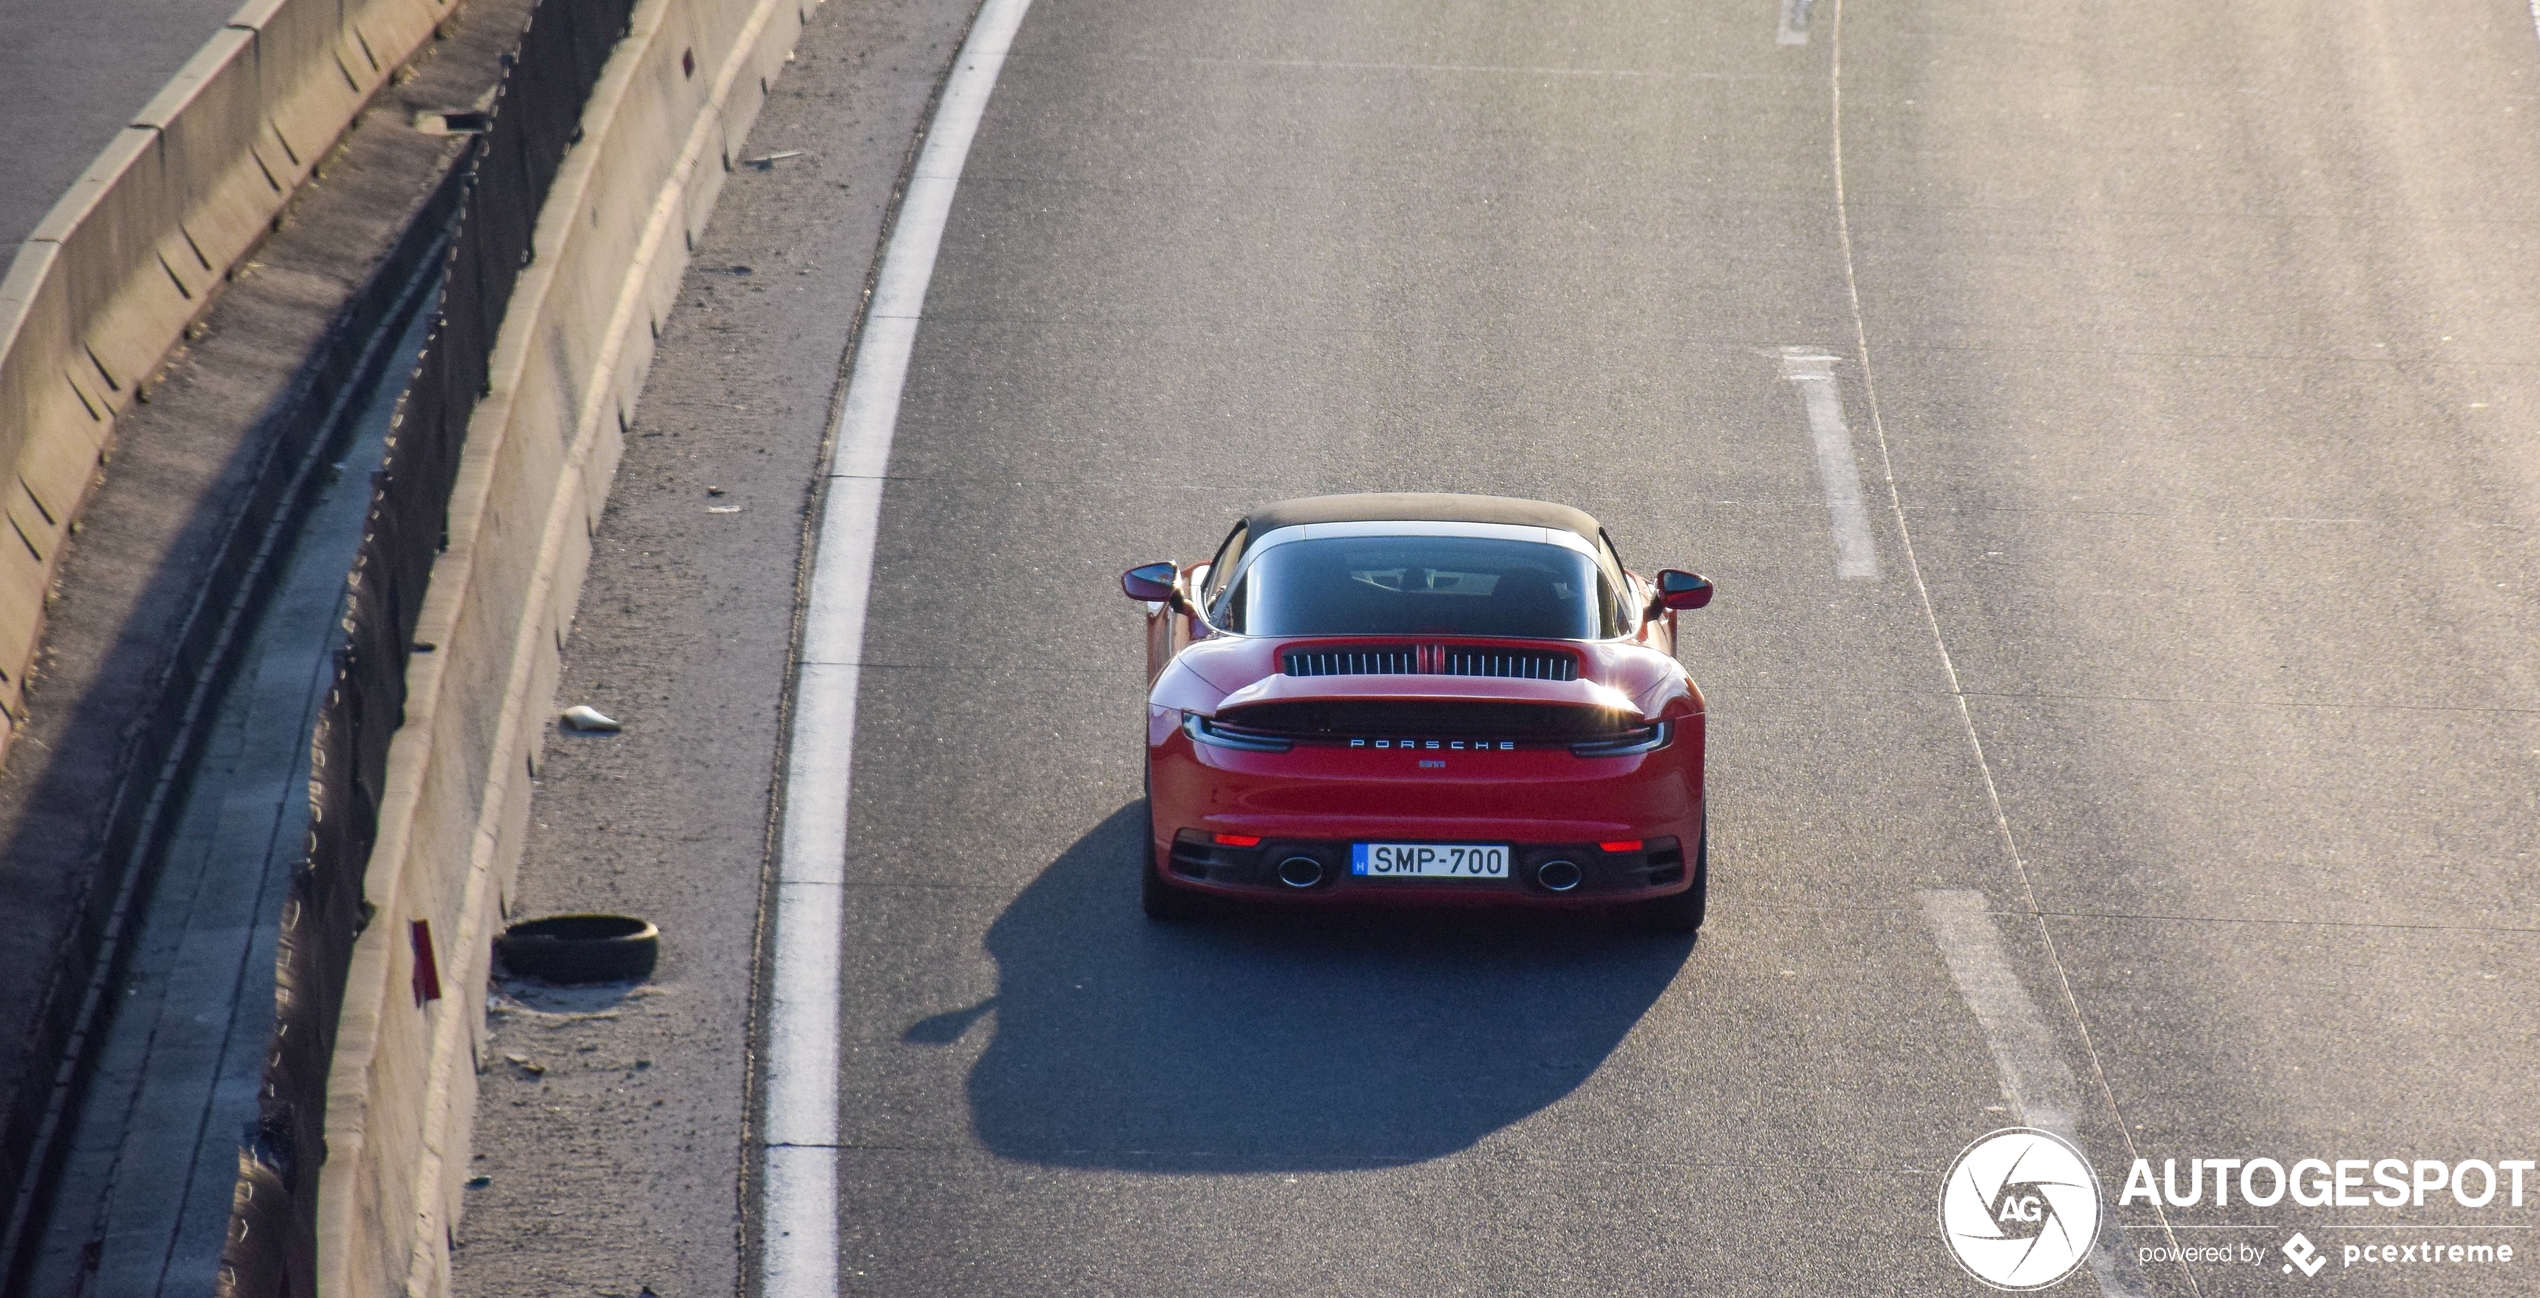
[107, 801]
[1281, 1041]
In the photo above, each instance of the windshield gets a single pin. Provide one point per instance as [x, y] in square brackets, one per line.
[1420, 585]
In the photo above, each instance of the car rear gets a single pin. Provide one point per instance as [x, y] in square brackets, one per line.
[1429, 781]
[1421, 698]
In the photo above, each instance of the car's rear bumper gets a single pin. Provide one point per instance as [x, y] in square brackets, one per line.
[1319, 871]
[1545, 805]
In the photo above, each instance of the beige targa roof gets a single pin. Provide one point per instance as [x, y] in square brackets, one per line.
[1420, 507]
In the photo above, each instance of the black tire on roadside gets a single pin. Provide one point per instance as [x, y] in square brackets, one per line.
[1683, 912]
[571, 950]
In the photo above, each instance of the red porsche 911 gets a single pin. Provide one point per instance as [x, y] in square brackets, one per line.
[1422, 698]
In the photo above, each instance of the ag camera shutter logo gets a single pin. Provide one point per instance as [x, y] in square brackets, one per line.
[2020, 1208]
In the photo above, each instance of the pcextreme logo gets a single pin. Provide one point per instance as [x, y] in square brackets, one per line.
[2020, 1208]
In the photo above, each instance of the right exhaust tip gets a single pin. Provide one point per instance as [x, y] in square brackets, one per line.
[1558, 876]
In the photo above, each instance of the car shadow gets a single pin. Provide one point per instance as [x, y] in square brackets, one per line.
[1286, 1040]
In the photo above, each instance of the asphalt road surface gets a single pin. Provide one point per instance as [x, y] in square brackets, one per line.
[74, 72]
[2146, 748]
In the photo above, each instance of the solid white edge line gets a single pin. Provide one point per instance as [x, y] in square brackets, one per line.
[798, 1187]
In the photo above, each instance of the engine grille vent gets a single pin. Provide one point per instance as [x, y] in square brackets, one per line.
[1356, 660]
[1432, 660]
[1520, 663]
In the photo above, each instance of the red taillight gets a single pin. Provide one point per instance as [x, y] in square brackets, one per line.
[1249, 840]
[1620, 845]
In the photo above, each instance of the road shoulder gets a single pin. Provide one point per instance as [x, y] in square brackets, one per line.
[611, 1124]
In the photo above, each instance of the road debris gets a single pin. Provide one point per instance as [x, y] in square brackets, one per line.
[584, 717]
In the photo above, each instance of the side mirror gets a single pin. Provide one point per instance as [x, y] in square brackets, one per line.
[1678, 589]
[1152, 582]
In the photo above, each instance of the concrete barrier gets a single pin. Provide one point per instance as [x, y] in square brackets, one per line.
[677, 96]
[129, 257]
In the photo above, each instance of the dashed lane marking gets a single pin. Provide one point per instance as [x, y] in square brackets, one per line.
[2035, 1078]
[1856, 555]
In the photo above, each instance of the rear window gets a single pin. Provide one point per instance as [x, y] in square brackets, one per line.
[1420, 585]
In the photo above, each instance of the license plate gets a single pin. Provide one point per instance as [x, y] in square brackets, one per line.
[1428, 861]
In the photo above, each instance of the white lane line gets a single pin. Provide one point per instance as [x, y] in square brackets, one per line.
[1856, 556]
[1794, 30]
[2035, 1079]
[798, 1192]
[2034, 1076]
